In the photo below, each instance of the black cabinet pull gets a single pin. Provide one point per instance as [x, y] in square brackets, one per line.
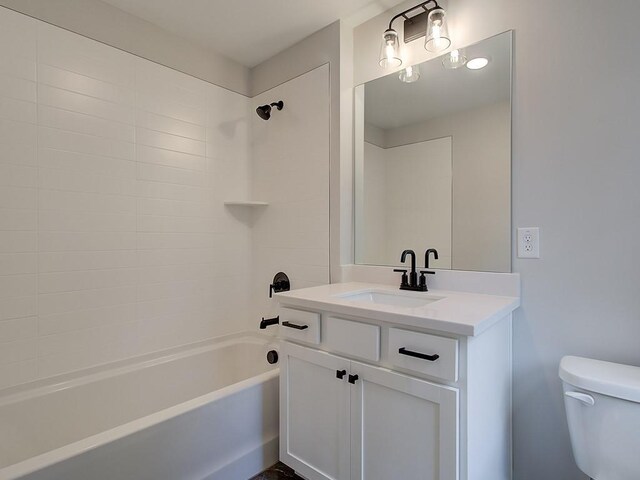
[353, 379]
[293, 325]
[340, 374]
[423, 356]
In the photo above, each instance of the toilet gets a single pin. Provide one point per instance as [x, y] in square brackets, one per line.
[602, 402]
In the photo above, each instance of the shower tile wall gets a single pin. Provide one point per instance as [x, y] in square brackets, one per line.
[291, 171]
[114, 240]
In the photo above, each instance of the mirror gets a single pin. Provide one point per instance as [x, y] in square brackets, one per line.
[433, 162]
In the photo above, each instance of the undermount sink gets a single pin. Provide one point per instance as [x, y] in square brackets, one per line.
[399, 299]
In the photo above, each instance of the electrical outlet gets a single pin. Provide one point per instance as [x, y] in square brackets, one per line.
[529, 242]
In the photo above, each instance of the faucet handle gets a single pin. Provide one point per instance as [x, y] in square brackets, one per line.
[405, 278]
[423, 278]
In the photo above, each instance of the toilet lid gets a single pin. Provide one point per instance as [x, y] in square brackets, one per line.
[613, 379]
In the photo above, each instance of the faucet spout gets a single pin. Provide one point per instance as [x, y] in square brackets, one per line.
[413, 276]
[426, 256]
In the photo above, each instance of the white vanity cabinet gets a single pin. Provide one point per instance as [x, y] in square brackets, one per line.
[348, 420]
[373, 397]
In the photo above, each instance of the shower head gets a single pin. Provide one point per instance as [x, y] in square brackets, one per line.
[264, 111]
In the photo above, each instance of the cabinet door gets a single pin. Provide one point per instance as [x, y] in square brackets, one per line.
[402, 427]
[314, 413]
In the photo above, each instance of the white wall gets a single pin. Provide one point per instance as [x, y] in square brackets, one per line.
[407, 202]
[290, 171]
[481, 182]
[575, 171]
[104, 22]
[113, 237]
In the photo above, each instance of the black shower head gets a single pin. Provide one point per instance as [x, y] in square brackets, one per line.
[264, 111]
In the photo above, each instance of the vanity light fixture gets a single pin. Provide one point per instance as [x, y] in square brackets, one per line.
[429, 23]
[455, 59]
[410, 74]
[477, 63]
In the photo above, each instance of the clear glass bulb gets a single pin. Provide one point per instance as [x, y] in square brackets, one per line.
[455, 59]
[390, 50]
[410, 74]
[437, 37]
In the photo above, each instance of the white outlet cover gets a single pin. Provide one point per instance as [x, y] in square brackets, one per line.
[529, 242]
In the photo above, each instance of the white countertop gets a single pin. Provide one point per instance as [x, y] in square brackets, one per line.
[458, 313]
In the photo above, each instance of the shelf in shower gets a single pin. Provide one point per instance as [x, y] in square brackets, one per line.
[246, 203]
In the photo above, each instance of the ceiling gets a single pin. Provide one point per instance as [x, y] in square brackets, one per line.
[248, 31]
[390, 103]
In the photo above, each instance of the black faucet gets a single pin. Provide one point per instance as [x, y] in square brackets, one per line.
[410, 282]
[427, 254]
[266, 322]
[423, 273]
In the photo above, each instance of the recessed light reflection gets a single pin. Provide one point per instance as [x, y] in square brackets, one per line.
[477, 63]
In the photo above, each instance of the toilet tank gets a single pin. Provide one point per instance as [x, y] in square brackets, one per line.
[602, 402]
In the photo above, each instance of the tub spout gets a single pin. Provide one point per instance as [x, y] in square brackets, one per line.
[266, 322]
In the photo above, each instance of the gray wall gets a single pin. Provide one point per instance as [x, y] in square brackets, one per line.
[576, 113]
[108, 24]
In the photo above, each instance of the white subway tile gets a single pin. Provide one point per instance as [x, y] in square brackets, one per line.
[169, 158]
[170, 125]
[18, 308]
[82, 143]
[18, 219]
[18, 351]
[153, 138]
[54, 303]
[77, 261]
[82, 319]
[95, 164]
[77, 102]
[18, 263]
[92, 87]
[18, 242]
[17, 110]
[87, 124]
[85, 241]
[17, 132]
[18, 329]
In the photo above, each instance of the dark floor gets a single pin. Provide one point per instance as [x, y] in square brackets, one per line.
[279, 471]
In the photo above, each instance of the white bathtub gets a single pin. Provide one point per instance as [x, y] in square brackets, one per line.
[207, 411]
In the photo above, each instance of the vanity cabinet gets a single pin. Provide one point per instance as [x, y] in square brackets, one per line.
[367, 399]
[348, 420]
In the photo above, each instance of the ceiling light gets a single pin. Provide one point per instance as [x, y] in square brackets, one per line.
[429, 22]
[455, 59]
[477, 63]
[390, 49]
[410, 74]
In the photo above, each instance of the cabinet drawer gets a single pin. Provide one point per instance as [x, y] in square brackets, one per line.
[424, 353]
[300, 325]
[352, 338]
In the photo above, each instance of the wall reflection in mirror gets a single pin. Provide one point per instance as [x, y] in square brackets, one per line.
[433, 161]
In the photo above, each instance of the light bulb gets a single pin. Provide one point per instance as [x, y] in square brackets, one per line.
[437, 36]
[410, 74]
[390, 50]
[455, 59]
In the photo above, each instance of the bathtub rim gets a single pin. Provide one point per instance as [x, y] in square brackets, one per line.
[73, 378]
[65, 452]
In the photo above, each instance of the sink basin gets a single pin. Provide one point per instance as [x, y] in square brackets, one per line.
[395, 299]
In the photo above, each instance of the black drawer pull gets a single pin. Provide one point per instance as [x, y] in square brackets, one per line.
[340, 374]
[353, 379]
[409, 353]
[293, 325]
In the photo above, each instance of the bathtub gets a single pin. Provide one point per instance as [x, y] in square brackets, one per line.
[208, 411]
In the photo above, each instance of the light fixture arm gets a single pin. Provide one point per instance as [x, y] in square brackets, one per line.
[423, 5]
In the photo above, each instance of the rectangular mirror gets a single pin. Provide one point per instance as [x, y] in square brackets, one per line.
[433, 161]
